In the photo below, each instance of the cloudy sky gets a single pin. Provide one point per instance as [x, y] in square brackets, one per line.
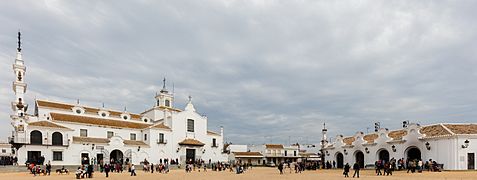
[268, 71]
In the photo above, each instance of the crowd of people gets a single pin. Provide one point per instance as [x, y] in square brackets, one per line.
[386, 168]
[8, 160]
[382, 167]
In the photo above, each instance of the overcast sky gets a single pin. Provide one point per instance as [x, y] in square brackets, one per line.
[268, 71]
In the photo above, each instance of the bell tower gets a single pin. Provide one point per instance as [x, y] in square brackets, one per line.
[19, 106]
[164, 98]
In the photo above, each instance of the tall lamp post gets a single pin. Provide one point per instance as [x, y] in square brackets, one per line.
[323, 144]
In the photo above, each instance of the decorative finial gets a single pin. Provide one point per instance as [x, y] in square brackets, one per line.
[19, 48]
[103, 104]
[77, 101]
[190, 98]
[125, 109]
[164, 83]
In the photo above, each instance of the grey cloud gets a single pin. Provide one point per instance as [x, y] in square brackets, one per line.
[267, 71]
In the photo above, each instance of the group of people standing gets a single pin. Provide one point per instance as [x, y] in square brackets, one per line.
[8, 160]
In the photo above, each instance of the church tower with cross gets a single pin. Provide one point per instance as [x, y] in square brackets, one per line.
[19, 106]
[19, 85]
[164, 98]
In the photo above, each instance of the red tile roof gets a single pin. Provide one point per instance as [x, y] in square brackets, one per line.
[273, 146]
[348, 140]
[47, 124]
[97, 121]
[462, 128]
[243, 154]
[65, 106]
[77, 139]
[191, 142]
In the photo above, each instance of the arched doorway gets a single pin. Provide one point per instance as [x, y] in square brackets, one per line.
[36, 138]
[339, 160]
[359, 158]
[383, 155]
[116, 156]
[413, 153]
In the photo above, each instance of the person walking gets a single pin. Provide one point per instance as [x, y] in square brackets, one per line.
[280, 168]
[48, 168]
[346, 170]
[106, 169]
[356, 169]
[133, 170]
[377, 164]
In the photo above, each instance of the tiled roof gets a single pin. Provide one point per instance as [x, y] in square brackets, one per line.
[348, 140]
[248, 154]
[397, 135]
[47, 124]
[49, 104]
[97, 121]
[134, 143]
[462, 128]
[273, 146]
[169, 108]
[212, 133]
[77, 139]
[370, 138]
[191, 142]
[65, 106]
[161, 126]
[434, 130]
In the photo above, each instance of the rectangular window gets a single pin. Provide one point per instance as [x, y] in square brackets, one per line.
[110, 134]
[4, 151]
[83, 132]
[190, 125]
[145, 137]
[285, 153]
[214, 142]
[294, 153]
[161, 138]
[132, 137]
[57, 156]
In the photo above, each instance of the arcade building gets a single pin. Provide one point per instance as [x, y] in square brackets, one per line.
[453, 145]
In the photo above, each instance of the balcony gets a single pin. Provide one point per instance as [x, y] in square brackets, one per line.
[65, 142]
[161, 141]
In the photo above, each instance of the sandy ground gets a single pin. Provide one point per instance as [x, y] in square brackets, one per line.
[258, 174]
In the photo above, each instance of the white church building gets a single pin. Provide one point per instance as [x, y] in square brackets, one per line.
[73, 134]
[453, 145]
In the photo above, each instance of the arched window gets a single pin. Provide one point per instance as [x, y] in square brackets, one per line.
[168, 103]
[36, 137]
[57, 139]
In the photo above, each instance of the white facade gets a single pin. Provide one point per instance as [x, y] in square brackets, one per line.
[453, 145]
[66, 133]
[237, 148]
[5, 149]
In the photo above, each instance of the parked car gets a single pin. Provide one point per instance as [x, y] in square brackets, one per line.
[270, 164]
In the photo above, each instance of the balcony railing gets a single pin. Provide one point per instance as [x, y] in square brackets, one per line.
[161, 142]
[44, 142]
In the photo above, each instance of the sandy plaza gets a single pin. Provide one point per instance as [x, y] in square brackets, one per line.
[259, 173]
